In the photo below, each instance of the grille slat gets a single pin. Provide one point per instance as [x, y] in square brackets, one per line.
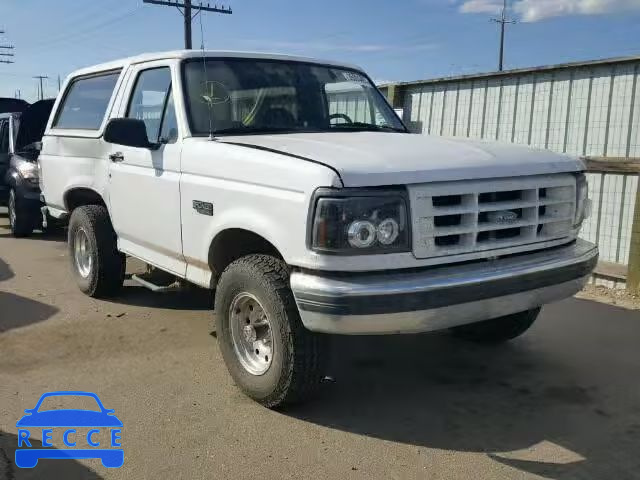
[487, 207]
[473, 216]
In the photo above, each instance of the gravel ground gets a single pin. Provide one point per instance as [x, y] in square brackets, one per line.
[618, 297]
[561, 402]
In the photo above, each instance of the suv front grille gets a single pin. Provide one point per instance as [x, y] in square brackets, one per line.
[451, 218]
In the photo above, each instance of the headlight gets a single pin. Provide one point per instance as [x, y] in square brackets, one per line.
[28, 170]
[355, 223]
[583, 204]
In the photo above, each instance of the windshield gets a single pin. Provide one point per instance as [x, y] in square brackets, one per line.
[69, 402]
[249, 96]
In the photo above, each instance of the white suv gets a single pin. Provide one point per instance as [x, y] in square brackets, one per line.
[291, 188]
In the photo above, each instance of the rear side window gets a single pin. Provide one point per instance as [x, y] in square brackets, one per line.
[85, 104]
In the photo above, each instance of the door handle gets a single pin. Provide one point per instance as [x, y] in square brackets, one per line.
[116, 157]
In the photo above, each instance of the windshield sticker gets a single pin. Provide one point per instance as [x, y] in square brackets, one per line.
[214, 93]
[355, 77]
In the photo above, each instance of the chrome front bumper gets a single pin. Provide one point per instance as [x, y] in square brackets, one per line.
[442, 297]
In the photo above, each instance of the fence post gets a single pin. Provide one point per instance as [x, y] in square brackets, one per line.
[633, 277]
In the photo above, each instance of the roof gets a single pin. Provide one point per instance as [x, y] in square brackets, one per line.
[519, 71]
[11, 105]
[183, 54]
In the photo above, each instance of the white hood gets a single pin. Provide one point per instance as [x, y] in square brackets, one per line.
[380, 158]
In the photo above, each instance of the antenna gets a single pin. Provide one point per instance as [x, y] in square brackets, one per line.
[206, 77]
[503, 21]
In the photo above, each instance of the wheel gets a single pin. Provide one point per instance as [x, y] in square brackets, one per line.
[269, 353]
[500, 329]
[97, 265]
[22, 224]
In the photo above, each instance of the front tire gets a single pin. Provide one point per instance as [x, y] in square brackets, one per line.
[268, 352]
[498, 330]
[96, 264]
[22, 224]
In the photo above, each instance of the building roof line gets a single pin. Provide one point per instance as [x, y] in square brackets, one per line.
[496, 74]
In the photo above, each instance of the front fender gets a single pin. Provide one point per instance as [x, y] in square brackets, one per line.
[244, 219]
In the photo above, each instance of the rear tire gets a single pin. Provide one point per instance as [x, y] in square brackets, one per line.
[96, 264]
[500, 329]
[297, 356]
[21, 222]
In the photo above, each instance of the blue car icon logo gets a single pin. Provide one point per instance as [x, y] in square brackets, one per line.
[99, 422]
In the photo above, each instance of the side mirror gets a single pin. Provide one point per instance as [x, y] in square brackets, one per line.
[129, 132]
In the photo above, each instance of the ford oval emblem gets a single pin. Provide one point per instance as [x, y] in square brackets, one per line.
[504, 217]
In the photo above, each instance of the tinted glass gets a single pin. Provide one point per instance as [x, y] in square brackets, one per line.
[169, 131]
[85, 104]
[237, 96]
[4, 136]
[148, 99]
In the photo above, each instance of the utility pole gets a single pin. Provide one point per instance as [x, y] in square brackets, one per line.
[503, 21]
[41, 91]
[6, 54]
[186, 8]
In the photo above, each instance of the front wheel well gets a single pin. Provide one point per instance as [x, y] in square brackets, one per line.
[79, 197]
[234, 243]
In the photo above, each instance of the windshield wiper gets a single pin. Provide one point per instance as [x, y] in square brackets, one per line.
[367, 127]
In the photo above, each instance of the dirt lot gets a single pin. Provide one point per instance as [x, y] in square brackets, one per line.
[562, 402]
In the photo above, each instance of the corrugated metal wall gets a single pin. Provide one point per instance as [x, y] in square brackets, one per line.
[592, 111]
[587, 110]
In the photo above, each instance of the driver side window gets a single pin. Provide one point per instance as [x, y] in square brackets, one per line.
[152, 102]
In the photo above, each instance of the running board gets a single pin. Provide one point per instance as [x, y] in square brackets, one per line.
[174, 287]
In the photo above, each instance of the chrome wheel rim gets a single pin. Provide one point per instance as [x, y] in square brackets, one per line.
[12, 208]
[251, 334]
[82, 253]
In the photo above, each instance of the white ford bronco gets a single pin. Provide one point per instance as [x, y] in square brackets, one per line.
[291, 188]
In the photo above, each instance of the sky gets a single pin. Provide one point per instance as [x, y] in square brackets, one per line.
[397, 40]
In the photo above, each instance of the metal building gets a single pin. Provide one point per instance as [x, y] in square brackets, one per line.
[589, 109]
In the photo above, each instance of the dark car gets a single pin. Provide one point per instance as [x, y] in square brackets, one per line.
[12, 105]
[10, 109]
[21, 178]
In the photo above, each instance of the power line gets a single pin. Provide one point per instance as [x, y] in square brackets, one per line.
[41, 91]
[88, 31]
[185, 8]
[503, 21]
[6, 47]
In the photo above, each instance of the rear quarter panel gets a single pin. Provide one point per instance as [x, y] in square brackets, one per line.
[69, 162]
